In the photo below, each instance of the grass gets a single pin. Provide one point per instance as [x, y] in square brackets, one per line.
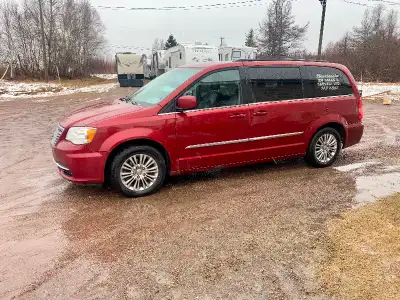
[364, 260]
[76, 82]
[87, 81]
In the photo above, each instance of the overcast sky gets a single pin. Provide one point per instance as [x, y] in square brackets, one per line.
[139, 28]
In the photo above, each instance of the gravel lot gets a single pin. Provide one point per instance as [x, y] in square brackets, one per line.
[256, 232]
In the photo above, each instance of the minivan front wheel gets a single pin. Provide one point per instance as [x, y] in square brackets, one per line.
[138, 171]
[324, 148]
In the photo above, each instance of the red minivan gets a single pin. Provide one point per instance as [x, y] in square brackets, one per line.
[214, 115]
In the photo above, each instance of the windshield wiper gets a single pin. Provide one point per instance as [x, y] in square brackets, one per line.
[129, 100]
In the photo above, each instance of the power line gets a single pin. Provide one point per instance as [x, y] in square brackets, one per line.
[367, 5]
[386, 2]
[190, 7]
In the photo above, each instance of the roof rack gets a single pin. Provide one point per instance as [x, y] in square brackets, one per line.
[282, 59]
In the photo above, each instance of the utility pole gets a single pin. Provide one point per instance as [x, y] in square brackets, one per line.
[46, 73]
[321, 33]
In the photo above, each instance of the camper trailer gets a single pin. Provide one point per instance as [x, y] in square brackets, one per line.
[129, 69]
[234, 53]
[146, 61]
[157, 63]
[189, 53]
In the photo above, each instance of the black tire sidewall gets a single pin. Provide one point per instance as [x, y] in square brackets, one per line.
[311, 156]
[121, 157]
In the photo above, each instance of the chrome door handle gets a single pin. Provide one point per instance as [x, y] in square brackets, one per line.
[260, 113]
[238, 116]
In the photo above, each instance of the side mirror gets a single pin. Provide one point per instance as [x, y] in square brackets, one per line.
[186, 103]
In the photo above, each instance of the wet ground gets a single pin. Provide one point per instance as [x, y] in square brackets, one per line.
[255, 232]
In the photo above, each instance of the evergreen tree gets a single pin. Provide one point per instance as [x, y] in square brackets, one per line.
[251, 39]
[171, 42]
[279, 34]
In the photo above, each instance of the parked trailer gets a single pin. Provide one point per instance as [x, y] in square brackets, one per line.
[157, 63]
[190, 53]
[129, 69]
[234, 53]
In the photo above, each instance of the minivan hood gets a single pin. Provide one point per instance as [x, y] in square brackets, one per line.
[98, 112]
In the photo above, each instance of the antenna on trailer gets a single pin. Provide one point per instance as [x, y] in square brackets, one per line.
[222, 39]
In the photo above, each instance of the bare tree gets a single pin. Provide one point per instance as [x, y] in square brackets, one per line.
[279, 33]
[158, 44]
[74, 36]
[373, 48]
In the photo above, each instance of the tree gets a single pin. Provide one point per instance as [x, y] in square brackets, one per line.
[171, 42]
[158, 44]
[372, 48]
[279, 33]
[251, 39]
[73, 30]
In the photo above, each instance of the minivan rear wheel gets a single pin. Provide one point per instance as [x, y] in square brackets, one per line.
[138, 171]
[324, 148]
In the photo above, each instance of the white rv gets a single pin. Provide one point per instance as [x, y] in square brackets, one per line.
[157, 63]
[234, 53]
[129, 69]
[189, 53]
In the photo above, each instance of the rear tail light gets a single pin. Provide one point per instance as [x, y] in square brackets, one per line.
[360, 109]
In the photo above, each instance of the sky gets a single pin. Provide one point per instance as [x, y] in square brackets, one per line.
[128, 29]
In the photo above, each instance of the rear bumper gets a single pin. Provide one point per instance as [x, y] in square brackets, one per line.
[354, 134]
[76, 164]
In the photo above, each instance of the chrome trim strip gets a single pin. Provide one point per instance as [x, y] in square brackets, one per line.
[217, 144]
[61, 166]
[267, 137]
[276, 136]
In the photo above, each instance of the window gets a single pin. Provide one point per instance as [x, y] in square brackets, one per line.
[236, 55]
[180, 55]
[226, 57]
[275, 84]
[220, 57]
[327, 82]
[218, 89]
[169, 62]
[159, 88]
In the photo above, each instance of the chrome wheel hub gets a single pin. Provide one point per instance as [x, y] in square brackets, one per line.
[326, 148]
[139, 172]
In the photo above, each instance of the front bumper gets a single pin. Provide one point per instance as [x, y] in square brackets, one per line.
[77, 164]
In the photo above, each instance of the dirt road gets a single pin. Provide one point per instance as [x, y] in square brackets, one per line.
[255, 232]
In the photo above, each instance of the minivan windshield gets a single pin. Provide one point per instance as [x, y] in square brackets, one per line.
[159, 88]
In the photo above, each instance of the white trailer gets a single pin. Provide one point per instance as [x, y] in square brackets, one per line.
[157, 63]
[189, 53]
[129, 69]
[234, 53]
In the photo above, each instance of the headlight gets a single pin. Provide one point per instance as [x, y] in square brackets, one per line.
[81, 135]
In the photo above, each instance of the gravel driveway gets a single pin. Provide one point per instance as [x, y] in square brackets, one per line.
[255, 232]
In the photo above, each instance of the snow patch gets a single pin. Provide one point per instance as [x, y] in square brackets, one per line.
[14, 90]
[370, 89]
[105, 76]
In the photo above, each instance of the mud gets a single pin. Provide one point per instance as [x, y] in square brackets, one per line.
[246, 233]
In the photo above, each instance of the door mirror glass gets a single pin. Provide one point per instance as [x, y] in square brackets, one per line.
[187, 102]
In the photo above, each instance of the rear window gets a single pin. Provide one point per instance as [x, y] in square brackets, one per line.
[327, 82]
[275, 83]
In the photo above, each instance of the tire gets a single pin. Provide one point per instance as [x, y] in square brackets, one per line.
[324, 148]
[138, 171]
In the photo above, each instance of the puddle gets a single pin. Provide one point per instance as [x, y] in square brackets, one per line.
[352, 167]
[373, 183]
[371, 188]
